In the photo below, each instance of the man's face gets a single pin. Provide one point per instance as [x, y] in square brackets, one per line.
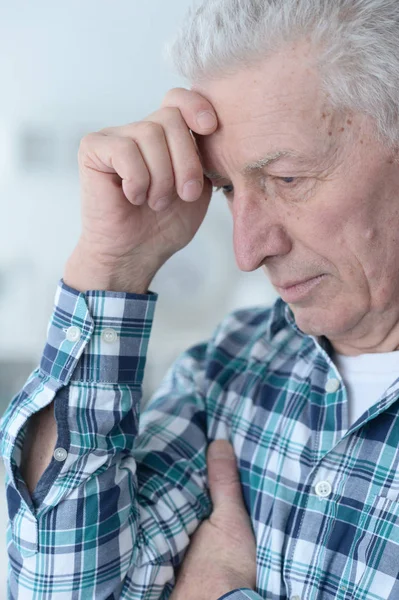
[325, 209]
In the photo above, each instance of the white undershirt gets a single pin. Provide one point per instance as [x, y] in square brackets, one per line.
[366, 378]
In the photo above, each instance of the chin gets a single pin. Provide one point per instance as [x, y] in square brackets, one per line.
[332, 321]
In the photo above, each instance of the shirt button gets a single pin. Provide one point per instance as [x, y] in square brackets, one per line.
[73, 334]
[323, 489]
[295, 598]
[332, 386]
[109, 336]
[60, 454]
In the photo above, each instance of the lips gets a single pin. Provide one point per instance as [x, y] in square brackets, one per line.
[291, 284]
[295, 291]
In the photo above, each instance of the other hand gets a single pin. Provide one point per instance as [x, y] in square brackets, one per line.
[222, 552]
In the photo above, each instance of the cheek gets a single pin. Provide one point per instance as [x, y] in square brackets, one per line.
[322, 231]
[381, 268]
[334, 236]
[366, 257]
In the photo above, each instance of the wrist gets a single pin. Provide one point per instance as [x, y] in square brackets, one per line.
[231, 586]
[219, 589]
[231, 580]
[219, 582]
[84, 272]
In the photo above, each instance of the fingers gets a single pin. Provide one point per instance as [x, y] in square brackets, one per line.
[159, 160]
[151, 140]
[224, 481]
[170, 156]
[115, 154]
[186, 164]
[196, 110]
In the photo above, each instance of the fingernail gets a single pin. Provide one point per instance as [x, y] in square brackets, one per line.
[161, 204]
[206, 120]
[192, 190]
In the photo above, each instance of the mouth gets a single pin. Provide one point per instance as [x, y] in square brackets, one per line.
[295, 291]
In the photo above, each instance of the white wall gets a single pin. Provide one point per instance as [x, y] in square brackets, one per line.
[67, 69]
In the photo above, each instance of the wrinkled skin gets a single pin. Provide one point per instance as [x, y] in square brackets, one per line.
[339, 215]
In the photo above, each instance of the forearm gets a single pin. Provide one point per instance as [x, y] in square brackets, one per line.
[39, 446]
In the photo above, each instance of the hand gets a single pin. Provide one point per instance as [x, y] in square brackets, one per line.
[222, 552]
[136, 211]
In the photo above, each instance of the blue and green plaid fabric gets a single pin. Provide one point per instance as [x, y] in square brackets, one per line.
[112, 518]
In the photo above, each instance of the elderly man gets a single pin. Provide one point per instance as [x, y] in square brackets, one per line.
[294, 111]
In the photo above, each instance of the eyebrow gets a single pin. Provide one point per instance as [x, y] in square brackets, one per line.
[257, 165]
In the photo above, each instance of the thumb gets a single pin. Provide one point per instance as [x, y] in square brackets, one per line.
[224, 482]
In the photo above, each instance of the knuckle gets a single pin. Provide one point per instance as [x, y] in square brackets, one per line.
[87, 141]
[175, 123]
[125, 144]
[107, 130]
[151, 129]
[125, 149]
[171, 95]
[172, 113]
[88, 144]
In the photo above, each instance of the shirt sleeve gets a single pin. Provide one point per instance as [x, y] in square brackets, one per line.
[241, 594]
[112, 514]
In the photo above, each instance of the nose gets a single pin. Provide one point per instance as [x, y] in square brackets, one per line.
[258, 232]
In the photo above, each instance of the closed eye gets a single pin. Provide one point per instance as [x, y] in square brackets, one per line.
[229, 189]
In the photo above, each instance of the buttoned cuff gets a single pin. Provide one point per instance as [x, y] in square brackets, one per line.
[98, 336]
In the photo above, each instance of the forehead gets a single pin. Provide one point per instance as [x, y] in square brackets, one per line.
[276, 106]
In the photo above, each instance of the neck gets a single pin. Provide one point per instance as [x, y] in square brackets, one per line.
[381, 338]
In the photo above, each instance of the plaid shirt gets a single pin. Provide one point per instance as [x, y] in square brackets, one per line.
[112, 514]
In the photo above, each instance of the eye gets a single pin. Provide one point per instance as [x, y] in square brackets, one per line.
[226, 189]
[287, 179]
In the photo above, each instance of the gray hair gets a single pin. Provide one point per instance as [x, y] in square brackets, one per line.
[355, 44]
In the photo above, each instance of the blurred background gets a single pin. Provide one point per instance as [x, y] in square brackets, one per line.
[68, 69]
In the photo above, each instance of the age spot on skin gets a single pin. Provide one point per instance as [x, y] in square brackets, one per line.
[349, 122]
[342, 129]
[330, 133]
